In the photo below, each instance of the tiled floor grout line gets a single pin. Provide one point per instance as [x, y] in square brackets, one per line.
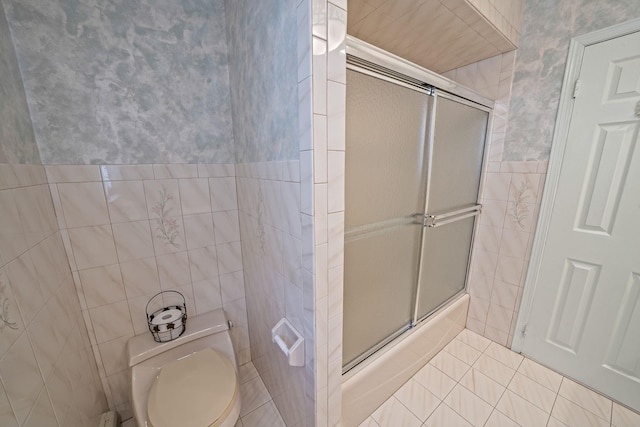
[493, 407]
[533, 386]
[611, 416]
[555, 400]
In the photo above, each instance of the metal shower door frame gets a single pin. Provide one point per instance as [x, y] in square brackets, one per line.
[368, 59]
[431, 220]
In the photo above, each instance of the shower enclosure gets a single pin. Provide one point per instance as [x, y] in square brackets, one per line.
[414, 157]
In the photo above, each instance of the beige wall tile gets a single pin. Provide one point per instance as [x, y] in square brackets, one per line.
[126, 201]
[93, 246]
[126, 172]
[173, 270]
[102, 285]
[133, 240]
[111, 321]
[83, 204]
[21, 377]
[140, 277]
[72, 173]
[194, 195]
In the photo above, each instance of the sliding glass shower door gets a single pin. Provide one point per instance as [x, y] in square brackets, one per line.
[456, 153]
[413, 163]
[385, 188]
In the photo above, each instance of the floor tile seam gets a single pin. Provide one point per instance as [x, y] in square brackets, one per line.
[538, 382]
[471, 347]
[557, 421]
[461, 385]
[489, 403]
[495, 360]
[528, 401]
[543, 366]
[257, 393]
[458, 413]
[252, 411]
[511, 351]
[447, 395]
[495, 409]
[444, 373]
[610, 421]
[508, 417]
[525, 398]
[460, 360]
[611, 414]
[402, 404]
[554, 405]
[409, 409]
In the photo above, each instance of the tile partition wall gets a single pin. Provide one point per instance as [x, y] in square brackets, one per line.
[323, 154]
[271, 228]
[48, 372]
[131, 231]
[511, 197]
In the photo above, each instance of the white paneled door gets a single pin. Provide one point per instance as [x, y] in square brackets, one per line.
[585, 311]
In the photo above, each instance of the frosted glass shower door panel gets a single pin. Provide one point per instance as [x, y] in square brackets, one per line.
[444, 266]
[456, 154]
[385, 176]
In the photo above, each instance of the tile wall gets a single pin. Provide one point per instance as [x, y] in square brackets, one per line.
[269, 206]
[292, 223]
[506, 15]
[322, 167]
[511, 199]
[47, 370]
[511, 196]
[131, 231]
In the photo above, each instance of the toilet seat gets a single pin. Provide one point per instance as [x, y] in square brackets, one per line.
[198, 390]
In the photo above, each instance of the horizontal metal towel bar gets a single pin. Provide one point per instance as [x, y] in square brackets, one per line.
[436, 220]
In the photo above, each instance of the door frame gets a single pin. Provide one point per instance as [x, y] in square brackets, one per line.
[559, 142]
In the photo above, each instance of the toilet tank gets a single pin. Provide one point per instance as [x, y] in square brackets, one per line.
[207, 330]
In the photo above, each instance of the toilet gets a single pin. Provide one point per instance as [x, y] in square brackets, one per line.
[191, 381]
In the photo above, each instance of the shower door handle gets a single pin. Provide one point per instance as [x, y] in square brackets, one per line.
[436, 220]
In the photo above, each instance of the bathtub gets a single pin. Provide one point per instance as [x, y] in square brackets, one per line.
[371, 383]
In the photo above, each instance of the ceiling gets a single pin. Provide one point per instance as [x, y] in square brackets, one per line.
[437, 34]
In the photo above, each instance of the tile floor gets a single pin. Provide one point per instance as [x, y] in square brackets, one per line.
[476, 382]
[471, 382]
[258, 410]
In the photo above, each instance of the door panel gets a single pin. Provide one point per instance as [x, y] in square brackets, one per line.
[585, 314]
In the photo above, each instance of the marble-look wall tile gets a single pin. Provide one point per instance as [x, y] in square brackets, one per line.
[540, 63]
[163, 230]
[17, 141]
[270, 54]
[510, 197]
[121, 85]
[43, 337]
[273, 279]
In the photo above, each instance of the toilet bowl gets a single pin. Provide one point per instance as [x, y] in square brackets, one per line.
[191, 381]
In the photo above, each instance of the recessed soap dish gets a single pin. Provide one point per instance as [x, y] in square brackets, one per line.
[290, 342]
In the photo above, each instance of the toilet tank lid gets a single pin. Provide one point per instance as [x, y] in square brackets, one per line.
[141, 347]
